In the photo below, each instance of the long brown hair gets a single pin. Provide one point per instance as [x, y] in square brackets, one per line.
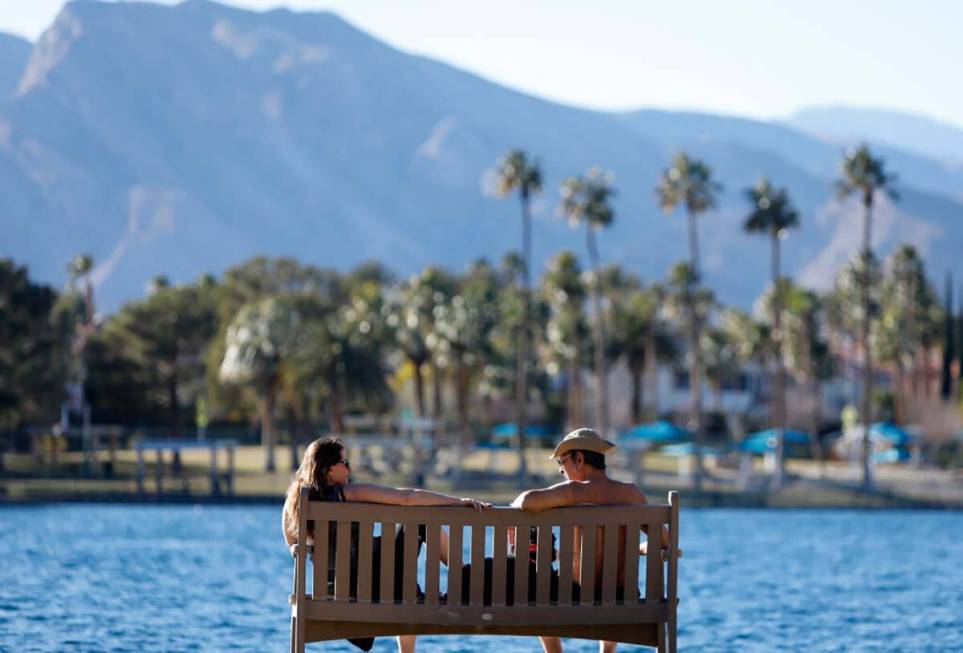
[319, 456]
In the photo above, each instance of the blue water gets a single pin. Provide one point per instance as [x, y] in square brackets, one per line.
[182, 578]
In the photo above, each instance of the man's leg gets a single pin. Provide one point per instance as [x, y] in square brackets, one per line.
[406, 643]
[551, 644]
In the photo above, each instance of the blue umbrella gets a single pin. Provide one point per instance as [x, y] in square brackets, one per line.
[658, 431]
[765, 441]
[891, 432]
[510, 430]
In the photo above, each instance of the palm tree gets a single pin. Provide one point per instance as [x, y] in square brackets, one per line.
[587, 200]
[909, 308]
[516, 173]
[772, 214]
[866, 176]
[688, 183]
[807, 352]
[566, 329]
[640, 335]
[258, 341]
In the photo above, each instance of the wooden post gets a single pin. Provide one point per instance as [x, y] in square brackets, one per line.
[140, 469]
[230, 469]
[159, 470]
[673, 569]
[301, 569]
[215, 480]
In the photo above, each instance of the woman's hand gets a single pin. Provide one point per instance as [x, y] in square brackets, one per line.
[474, 503]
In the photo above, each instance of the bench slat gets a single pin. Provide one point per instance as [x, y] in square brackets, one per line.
[523, 615]
[543, 566]
[410, 558]
[455, 562]
[521, 564]
[365, 530]
[610, 563]
[566, 537]
[320, 559]
[587, 581]
[342, 564]
[575, 516]
[477, 565]
[387, 562]
[432, 560]
[499, 564]
[632, 533]
[653, 563]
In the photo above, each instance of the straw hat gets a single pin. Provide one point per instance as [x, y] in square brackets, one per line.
[583, 440]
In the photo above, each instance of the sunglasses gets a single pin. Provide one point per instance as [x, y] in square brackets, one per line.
[561, 460]
[346, 463]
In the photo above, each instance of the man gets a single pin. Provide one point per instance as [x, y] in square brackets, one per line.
[580, 457]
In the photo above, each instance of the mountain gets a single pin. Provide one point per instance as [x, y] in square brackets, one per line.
[914, 133]
[13, 55]
[182, 139]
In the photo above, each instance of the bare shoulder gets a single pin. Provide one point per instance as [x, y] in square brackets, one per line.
[620, 492]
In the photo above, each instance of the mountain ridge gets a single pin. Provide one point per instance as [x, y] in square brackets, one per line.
[182, 139]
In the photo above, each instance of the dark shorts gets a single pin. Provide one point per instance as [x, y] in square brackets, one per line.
[576, 590]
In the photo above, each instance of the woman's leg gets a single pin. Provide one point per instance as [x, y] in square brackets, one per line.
[406, 643]
[607, 647]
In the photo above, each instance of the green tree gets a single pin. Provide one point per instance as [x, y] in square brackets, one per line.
[517, 173]
[168, 333]
[688, 183]
[258, 342]
[773, 215]
[643, 338]
[566, 330]
[909, 318]
[807, 352]
[588, 201]
[31, 351]
[864, 175]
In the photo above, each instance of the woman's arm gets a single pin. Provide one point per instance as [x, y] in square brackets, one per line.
[395, 496]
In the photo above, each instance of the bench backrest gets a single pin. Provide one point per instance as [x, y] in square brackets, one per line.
[483, 530]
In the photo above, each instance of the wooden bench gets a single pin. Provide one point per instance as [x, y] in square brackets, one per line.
[330, 611]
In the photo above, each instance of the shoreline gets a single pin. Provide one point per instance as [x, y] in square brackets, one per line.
[704, 500]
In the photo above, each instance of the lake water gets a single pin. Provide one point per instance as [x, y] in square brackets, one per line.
[217, 578]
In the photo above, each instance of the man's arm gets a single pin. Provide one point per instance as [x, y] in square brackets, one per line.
[567, 493]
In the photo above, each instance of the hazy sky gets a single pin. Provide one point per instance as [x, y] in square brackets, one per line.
[760, 58]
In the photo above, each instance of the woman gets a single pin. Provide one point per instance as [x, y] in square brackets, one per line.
[326, 473]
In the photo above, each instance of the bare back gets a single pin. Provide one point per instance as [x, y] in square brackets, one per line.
[603, 491]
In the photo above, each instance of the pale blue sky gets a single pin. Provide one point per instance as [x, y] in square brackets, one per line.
[759, 58]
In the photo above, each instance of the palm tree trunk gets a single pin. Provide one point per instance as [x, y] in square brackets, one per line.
[521, 365]
[867, 402]
[438, 408]
[267, 422]
[652, 370]
[695, 356]
[419, 388]
[636, 374]
[779, 389]
[601, 397]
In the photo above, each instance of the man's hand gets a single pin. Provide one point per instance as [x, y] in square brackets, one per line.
[475, 503]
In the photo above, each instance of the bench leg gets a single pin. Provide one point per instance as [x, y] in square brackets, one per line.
[297, 635]
[660, 638]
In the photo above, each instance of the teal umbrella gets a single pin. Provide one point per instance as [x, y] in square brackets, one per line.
[658, 431]
[891, 432]
[510, 430]
[762, 442]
